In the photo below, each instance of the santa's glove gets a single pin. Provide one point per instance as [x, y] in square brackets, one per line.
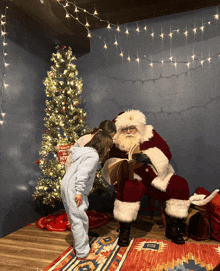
[142, 158]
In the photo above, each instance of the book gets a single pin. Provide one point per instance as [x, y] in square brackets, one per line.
[112, 166]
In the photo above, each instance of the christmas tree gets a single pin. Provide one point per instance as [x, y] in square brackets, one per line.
[65, 122]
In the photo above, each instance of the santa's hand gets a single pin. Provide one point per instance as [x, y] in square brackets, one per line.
[142, 158]
[78, 199]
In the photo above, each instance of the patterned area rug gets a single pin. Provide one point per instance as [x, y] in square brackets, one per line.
[141, 255]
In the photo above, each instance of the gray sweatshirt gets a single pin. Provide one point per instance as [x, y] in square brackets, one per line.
[81, 173]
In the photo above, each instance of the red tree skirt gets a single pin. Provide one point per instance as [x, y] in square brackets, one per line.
[60, 221]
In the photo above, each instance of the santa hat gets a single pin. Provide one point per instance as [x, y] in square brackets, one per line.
[130, 118]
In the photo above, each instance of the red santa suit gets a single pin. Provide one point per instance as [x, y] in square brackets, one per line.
[156, 180]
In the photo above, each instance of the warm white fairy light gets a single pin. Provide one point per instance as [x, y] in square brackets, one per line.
[193, 57]
[67, 15]
[171, 34]
[116, 43]
[109, 26]
[118, 29]
[162, 35]
[121, 54]
[127, 32]
[188, 64]
[209, 59]
[152, 34]
[145, 28]
[6, 64]
[128, 58]
[175, 64]
[4, 44]
[186, 33]
[162, 61]
[209, 22]
[152, 64]
[202, 28]
[138, 29]
[95, 12]
[3, 33]
[1, 122]
[194, 30]
[89, 35]
[5, 85]
[216, 16]
[87, 24]
[171, 58]
[138, 59]
[105, 46]
[3, 114]
[76, 9]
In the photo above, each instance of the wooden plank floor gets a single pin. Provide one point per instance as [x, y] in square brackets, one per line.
[33, 249]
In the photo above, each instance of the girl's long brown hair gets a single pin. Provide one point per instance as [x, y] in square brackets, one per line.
[101, 141]
[106, 125]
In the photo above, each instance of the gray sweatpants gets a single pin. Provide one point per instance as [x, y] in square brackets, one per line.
[77, 217]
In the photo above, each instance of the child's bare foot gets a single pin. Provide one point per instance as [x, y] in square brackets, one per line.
[90, 257]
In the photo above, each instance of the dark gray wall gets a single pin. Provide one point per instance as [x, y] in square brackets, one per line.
[29, 53]
[182, 104]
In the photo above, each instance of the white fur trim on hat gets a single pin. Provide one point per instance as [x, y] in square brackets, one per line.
[177, 208]
[126, 211]
[129, 118]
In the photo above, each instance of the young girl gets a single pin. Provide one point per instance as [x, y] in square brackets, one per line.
[76, 185]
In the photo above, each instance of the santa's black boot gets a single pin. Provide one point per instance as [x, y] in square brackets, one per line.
[124, 234]
[174, 230]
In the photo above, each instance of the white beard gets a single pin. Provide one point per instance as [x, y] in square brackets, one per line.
[125, 141]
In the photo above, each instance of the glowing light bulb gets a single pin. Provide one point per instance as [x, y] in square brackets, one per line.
[171, 34]
[95, 13]
[162, 61]
[209, 59]
[3, 33]
[5, 85]
[145, 28]
[105, 46]
[202, 61]
[76, 9]
[202, 28]
[137, 59]
[3, 114]
[118, 29]
[186, 33]
[128, 58]
[67, 15]
[4, 44]
[138, 29]
[109, 26]
[1, 122]
[209, 22]
[127, 32]
[188, 64]
[151, 64]
[84, 10]
[87, 24]
[193, 56]
[121, 54]
[162, 36]
[152, 34]
[6, 64]
[175, 64]
[67, 5]
[89, 35]
[2, 16]
[116, 43]
[217, 16]
[2, 23]
[194, 30]
[171, 58]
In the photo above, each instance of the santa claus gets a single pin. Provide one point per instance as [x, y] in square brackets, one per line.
[154, 177]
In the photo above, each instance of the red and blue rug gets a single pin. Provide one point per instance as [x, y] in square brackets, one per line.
[141, 255]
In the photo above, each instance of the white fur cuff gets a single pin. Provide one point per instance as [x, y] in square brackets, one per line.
[177, 208]
[126, 211]
[161, 183]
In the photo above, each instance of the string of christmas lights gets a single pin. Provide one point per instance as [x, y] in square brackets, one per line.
[127, 31]
[4, 53]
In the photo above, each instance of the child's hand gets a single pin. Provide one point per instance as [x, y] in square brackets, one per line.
[78, 199]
